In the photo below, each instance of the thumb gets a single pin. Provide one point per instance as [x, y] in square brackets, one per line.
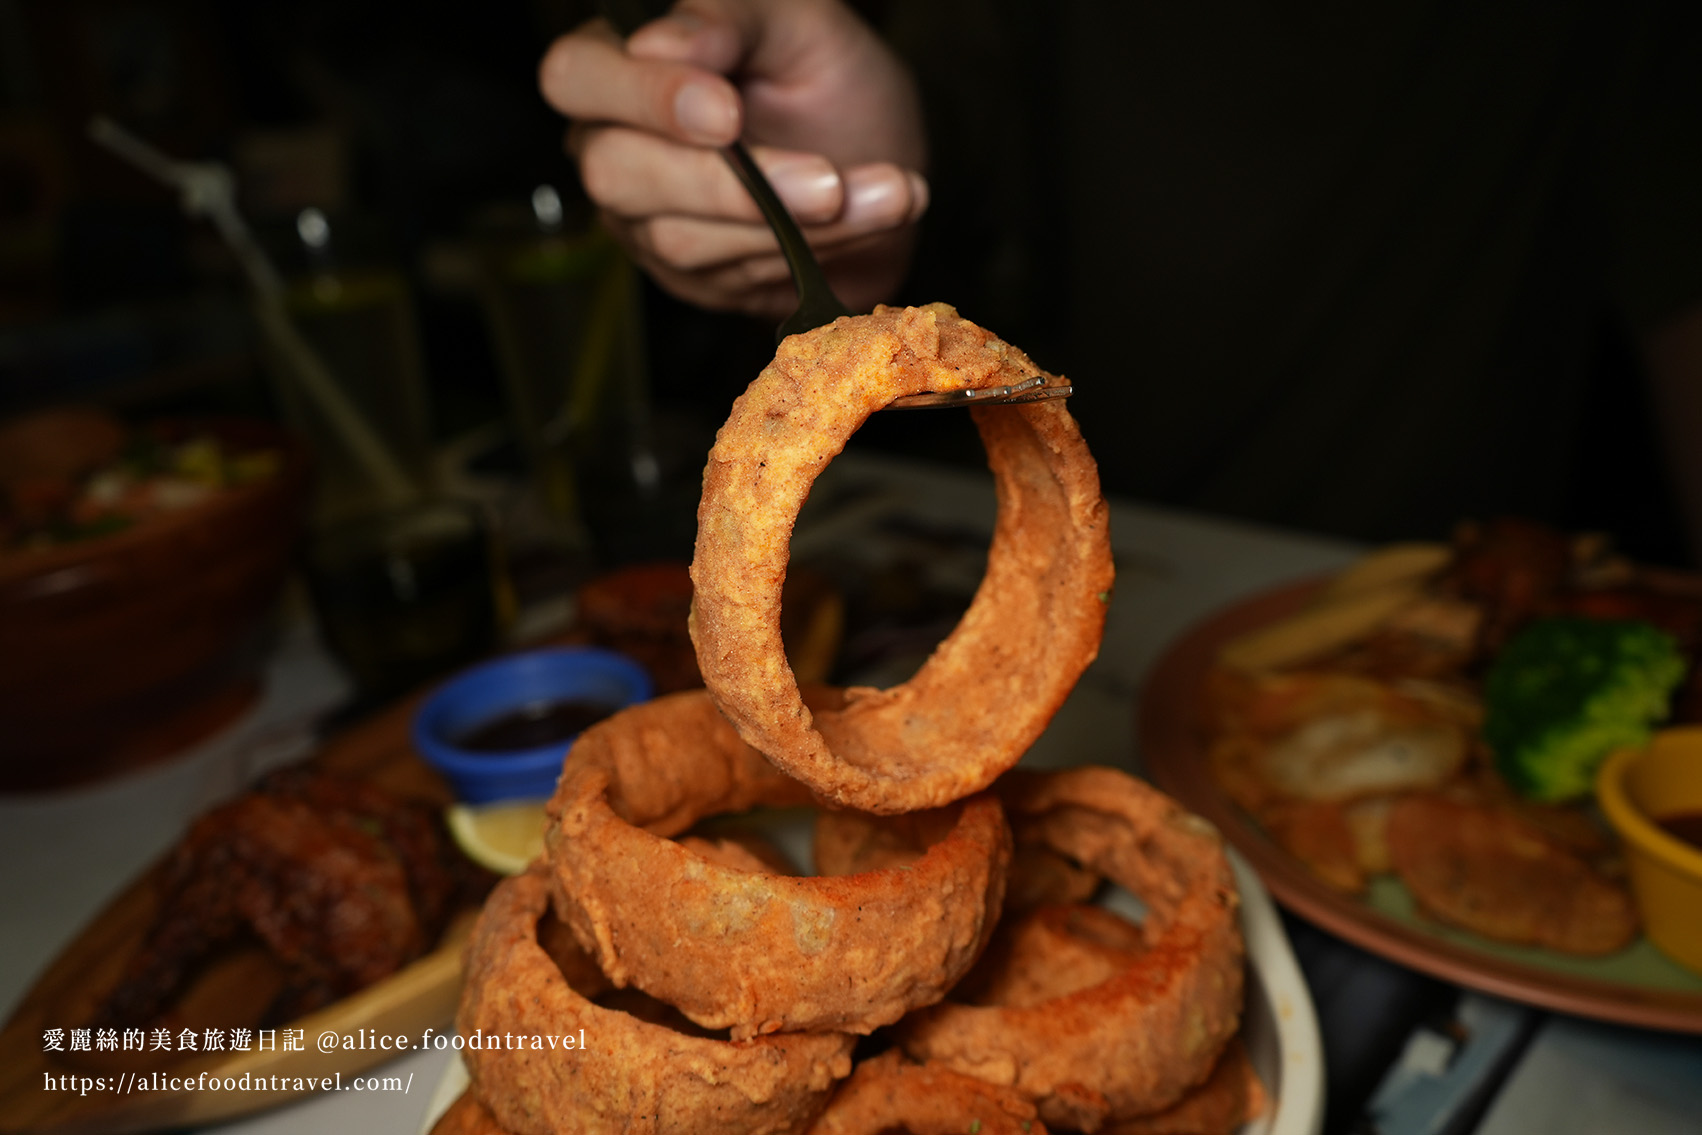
[593, 77]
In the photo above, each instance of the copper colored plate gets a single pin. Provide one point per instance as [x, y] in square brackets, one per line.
[1172, 734]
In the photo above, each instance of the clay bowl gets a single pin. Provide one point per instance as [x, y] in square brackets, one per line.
[116, 648]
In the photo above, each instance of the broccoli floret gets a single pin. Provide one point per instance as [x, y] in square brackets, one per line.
[1566, 692]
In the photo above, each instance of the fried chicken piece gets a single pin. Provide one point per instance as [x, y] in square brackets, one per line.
[325, 897]
[1517, 569]
[641, 611]
[1482, 867]
[340, 883]
[440, 878]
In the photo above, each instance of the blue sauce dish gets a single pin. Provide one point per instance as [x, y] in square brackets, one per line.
[501, 730]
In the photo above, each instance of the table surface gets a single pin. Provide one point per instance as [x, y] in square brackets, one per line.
[1406, 1054]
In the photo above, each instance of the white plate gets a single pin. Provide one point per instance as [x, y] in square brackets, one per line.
[1278, 1025]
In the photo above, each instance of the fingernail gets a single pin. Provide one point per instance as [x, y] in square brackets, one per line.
[875, 197]
[809, 186]
[919, 195]
[706, 111]
[668, 37]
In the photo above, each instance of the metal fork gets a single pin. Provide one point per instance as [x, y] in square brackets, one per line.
[817, 305]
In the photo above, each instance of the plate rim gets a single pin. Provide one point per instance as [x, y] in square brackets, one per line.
[1171, 738]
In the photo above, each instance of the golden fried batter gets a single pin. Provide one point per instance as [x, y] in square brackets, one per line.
[1137, 1041]
[734, 948]
[890, 1094]
[632, 1075]
[1231, 1096]
[467, 1116]
[989, 689]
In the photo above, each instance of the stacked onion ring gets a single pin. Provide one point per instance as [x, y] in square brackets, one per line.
[755, 952]
[1035, 623]
[717, 991]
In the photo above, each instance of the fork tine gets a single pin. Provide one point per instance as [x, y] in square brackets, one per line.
[1030, 390]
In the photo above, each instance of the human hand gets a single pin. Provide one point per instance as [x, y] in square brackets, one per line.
[829, 113]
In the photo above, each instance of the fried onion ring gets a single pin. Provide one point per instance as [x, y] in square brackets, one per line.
[1051, 952]
[1134, 1043]
[753, 951]
[1231, 1096]
[889, 1093]
[848, 842]
[631, 1075]
[1035, 623]
[467, 1116]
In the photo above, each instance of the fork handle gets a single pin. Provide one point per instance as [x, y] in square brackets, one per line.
[817, 304]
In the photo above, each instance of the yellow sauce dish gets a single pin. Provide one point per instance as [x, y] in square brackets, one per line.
[1637, 789]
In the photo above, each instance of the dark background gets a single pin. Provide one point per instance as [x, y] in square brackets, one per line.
[407, 122]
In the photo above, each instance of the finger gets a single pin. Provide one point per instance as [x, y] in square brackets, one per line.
[863, 270]
[881, 195]
[589, 75]
[719, 290]
[879, 199]
[638, 175]
[702, 34]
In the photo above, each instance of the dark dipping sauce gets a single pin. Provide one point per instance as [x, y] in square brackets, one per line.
[533, 726]
[1686, 826]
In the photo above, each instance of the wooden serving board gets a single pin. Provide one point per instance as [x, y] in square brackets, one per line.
[422, 995]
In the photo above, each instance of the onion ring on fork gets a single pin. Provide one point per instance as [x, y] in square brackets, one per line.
[1035, 623]
[748, 950]
[1137, 1041]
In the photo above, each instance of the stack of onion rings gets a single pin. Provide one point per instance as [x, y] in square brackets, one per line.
[636, 1075]
[1135, 1043]
[1035, 623]
[1075, 1017]
[734, 948]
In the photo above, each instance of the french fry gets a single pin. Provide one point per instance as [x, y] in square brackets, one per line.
[1320, 629]
[1412, 563]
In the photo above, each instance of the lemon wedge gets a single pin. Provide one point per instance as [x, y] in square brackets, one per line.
[504, 837]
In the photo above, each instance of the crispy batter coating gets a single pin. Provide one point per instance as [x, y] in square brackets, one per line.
[1482, 867]
[848, 842]
[747, 950]
[632, 1076]
[989, 689]
[889, 1093]
[1051, 952]
[1138, 1041]
[467, 1116]
[1231, 1096]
